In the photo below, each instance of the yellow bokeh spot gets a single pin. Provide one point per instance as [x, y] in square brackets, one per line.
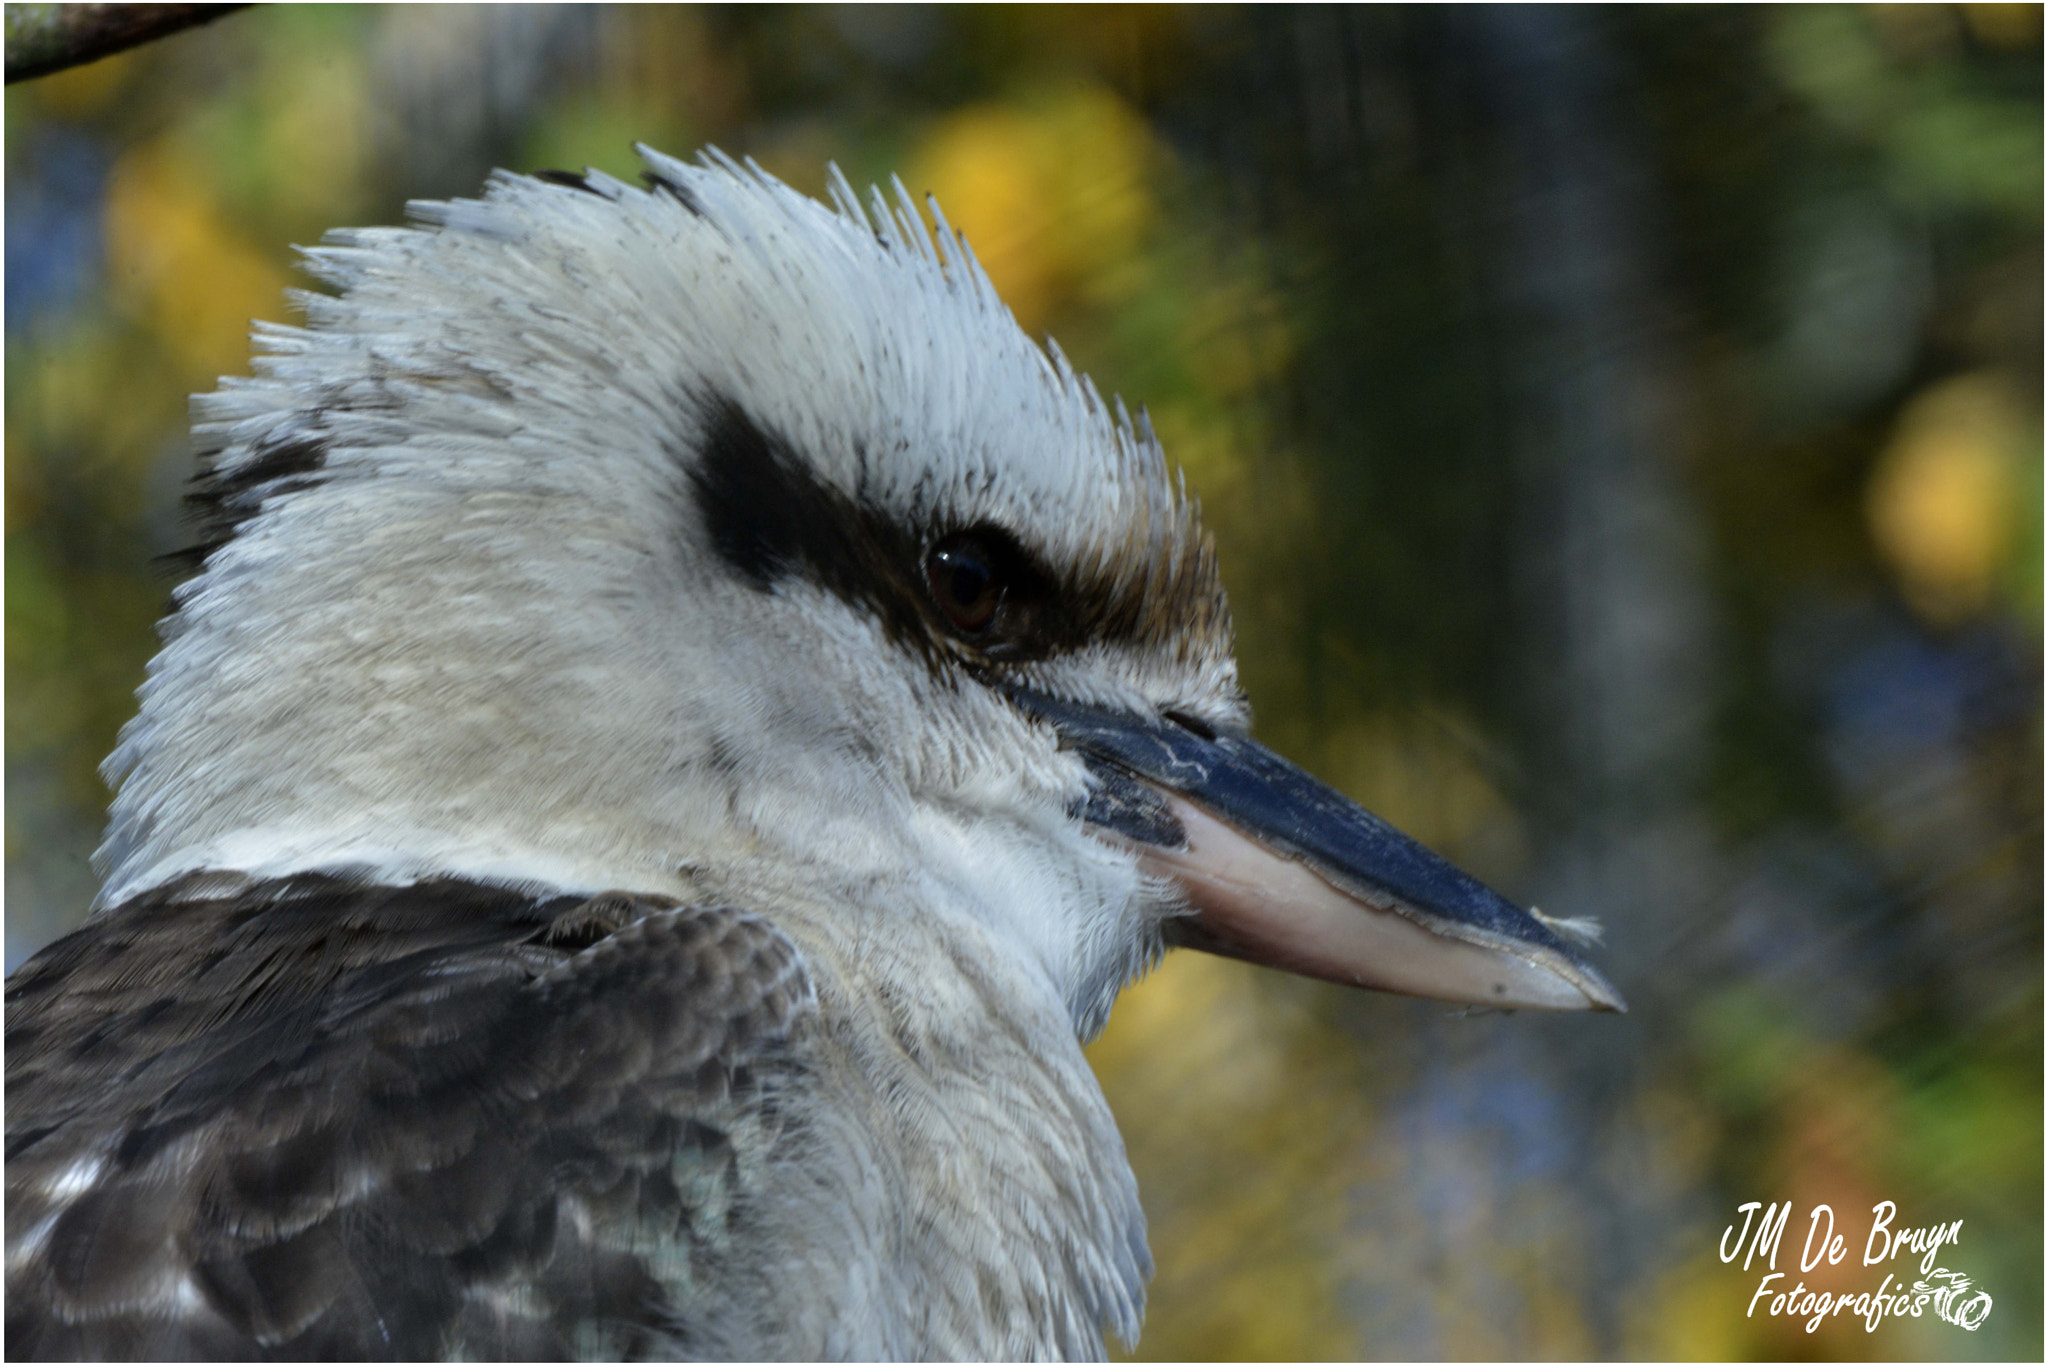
[1942, 499]
[1194, 1007]
[174, 260]
[986, 168]
[1053, 193]
[1242, 1273]
[2004, 26]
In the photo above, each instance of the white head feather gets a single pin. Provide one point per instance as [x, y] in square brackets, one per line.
[472, 621]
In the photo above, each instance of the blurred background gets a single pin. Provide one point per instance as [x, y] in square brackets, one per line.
[1622, 429]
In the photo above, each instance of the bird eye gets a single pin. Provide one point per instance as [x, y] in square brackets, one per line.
[965, 582]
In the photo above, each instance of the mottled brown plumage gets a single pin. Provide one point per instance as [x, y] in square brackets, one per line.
[388, 1122]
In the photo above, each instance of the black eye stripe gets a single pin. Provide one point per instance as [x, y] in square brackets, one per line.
[769, 519]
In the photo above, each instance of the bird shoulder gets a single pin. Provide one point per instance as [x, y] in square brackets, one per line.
[313, 1117]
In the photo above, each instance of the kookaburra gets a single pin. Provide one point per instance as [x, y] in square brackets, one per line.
[688, 722]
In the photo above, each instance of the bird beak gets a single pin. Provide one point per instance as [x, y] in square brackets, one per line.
[1288, 872]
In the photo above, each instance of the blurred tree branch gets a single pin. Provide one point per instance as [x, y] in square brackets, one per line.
[46, 38]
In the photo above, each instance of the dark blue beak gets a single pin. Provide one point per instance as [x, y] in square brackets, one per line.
[1286, 871]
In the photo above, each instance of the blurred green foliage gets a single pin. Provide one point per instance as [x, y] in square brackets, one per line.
[1312, 243]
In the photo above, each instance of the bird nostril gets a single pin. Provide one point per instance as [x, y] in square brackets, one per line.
[1192, 724]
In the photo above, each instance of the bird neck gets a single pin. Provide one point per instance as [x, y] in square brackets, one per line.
[993, 1212]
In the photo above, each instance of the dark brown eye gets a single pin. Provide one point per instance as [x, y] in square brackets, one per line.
[965, 581]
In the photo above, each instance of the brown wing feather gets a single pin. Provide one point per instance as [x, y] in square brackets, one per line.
[319, 1119]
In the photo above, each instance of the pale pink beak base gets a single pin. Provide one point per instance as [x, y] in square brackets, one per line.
[1264, 906]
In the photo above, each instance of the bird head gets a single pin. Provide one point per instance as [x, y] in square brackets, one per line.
[704, 536]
